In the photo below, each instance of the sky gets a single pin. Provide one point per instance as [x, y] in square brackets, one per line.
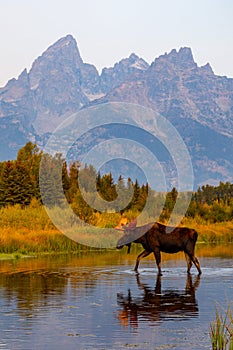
[108, 30]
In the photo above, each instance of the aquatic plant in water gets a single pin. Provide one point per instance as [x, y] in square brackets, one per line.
[221, 330]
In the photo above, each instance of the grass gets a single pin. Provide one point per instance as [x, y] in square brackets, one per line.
[221, 330]
[30, 231]
[220, 232]
[26, 241]
[4, 256]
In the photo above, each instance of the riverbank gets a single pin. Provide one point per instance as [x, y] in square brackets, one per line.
[30, 232]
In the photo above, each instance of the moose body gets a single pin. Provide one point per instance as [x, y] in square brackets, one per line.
[156, 240]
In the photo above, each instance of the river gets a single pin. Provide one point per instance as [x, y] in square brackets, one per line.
[96, 301]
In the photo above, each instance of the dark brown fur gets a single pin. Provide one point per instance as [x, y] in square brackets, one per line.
[156, 240]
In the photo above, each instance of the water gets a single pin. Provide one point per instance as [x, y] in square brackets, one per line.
[96, 301]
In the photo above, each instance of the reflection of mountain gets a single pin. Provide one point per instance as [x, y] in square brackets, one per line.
[156, 305]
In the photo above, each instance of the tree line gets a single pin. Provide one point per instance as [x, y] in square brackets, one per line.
[212, 203]
[19, 184]
[22, 180]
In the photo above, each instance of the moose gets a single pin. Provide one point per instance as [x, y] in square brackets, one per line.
[156, 238]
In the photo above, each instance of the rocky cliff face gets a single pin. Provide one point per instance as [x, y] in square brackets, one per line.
[197, 102]
[177, 88]
[122, 71]
[59, 83]
[55, 81]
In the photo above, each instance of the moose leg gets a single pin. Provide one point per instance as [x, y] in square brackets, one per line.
[158, 261]
[189, 262]
[129, 246]
[192, 258]
[197, 264]
[140, 256]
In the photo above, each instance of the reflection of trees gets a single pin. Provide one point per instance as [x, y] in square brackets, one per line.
[31, 286]
[30, 290]
[33, 292]
[156, 305]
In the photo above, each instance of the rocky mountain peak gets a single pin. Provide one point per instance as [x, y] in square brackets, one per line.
[133, 57]
[185, 56]
[56, 79]
[197, 102]
[23, 76]
[181, 59]
[65, 47]
[133, 61]
[64, 53]
[136, 62]
[207, 69]
[15, 89]
[121, 71]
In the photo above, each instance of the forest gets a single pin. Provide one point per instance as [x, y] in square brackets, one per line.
[19, 185]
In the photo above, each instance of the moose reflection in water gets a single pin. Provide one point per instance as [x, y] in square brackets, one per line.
[156, 305]
[156, 238]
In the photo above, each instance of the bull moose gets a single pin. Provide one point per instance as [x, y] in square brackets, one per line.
[156, 238]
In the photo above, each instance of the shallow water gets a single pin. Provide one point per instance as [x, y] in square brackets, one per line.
[96, 301]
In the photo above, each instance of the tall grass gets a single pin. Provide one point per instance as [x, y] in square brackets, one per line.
[26, 241]
[33, 217]
[30, 230]
[220, 232]
[221, 330]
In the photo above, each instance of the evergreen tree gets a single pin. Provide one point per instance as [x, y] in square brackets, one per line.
[30, 157]
[65, 178]
[122, 195]
[108, 188]
[136, 195]
[73, 181]
[51, 180]
[15, 184]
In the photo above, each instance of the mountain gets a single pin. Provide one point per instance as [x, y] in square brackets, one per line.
[122, 71]
[195, 100]
[177, 88]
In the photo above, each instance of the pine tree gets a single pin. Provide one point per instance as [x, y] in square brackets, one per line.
[108, 188]
[30, 156]
[15, 184]
[51, 180]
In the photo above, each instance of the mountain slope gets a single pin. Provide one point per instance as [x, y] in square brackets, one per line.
[176, 87]
[59, 83]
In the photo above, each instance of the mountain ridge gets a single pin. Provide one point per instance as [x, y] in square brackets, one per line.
[59, 83]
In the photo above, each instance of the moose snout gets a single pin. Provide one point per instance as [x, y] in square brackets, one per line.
[119, 246]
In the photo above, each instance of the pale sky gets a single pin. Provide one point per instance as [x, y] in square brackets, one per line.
[109, 30]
